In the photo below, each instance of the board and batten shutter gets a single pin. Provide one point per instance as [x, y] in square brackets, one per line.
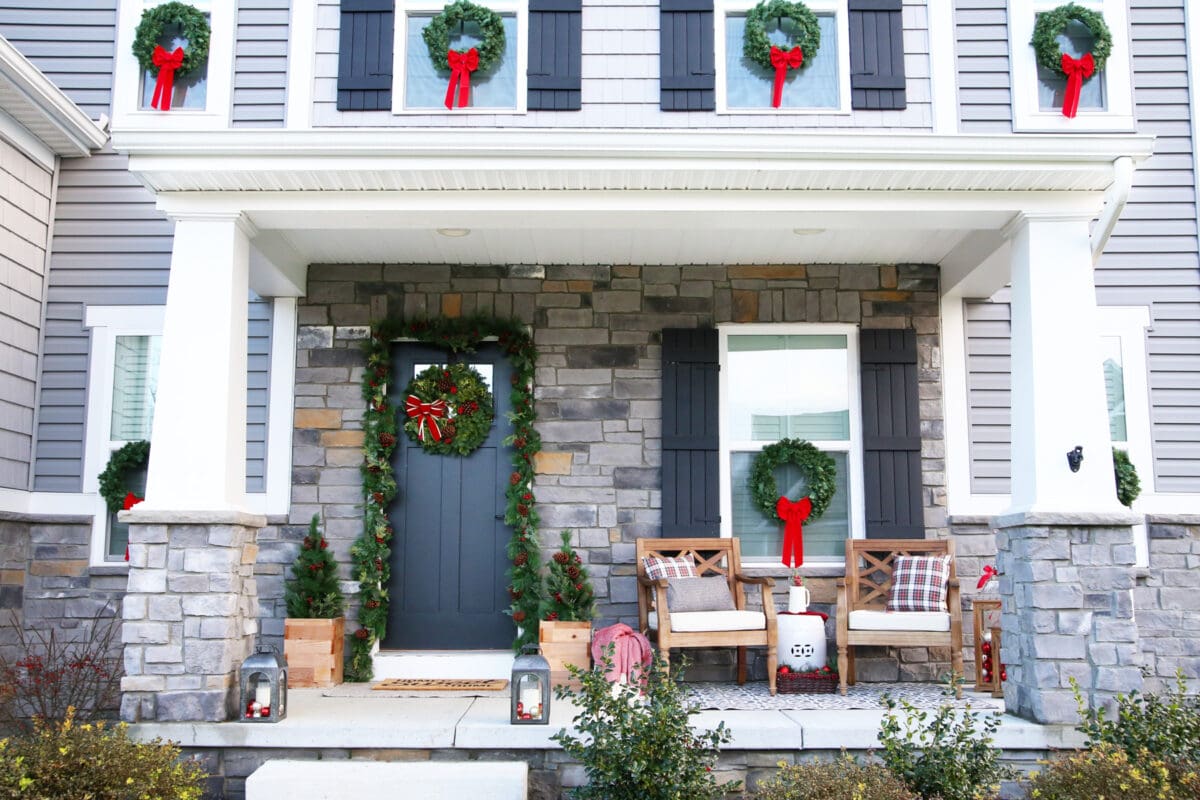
[876, 55]
[891, 435]
[555, 42]
[365, 55]
[691, 503]
[687, 64]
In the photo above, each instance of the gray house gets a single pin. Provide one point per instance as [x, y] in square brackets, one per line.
[914, 260]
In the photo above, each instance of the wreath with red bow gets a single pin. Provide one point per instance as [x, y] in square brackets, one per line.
[1049, 26]
[167, 65]
[820, 479]
[461, 63]
[448, 409]
[804, 40]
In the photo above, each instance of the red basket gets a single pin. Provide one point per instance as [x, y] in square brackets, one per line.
[805, 683]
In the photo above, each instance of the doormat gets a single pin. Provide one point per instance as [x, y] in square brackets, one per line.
[730, 696]
[441, 685]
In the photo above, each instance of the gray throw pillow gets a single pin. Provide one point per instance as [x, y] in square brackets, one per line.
[699, 594]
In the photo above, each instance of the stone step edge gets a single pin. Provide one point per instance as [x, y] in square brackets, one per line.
[368, 780]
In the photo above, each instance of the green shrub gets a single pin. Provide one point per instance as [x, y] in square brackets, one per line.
[640, 748]
[1108, 772]
[946, 755]
[1166, 726]
[843, 779]
[88, 761]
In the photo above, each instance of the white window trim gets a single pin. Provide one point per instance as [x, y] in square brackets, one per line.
[853, 448]
[127, 74]
[839, 8]
[1027, 116]
[516, 8]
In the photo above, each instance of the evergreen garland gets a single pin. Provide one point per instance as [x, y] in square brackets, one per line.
[371, 553]
[437, 34]
[194, 28]
[569, 596]
[313, 591]
[807, 34]
[1128, 485]
[1052, 23]
[469, 407]
[114, 480]
[818, 469]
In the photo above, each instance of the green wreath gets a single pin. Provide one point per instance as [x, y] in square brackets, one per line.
[195, 28]
[1051, 23]
[437, 34]
[818, 469]
[464, 420]
[114, 480]
[807, 36]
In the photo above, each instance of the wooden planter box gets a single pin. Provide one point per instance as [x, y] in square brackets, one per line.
[565, 643]
[314, 649]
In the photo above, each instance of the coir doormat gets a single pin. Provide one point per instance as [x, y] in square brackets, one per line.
[441, 685]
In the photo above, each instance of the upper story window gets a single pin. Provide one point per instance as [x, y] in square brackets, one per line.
[189, 90]
[1106, 98]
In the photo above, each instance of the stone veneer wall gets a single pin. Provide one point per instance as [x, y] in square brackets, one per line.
[1167, 602]
[598, 392]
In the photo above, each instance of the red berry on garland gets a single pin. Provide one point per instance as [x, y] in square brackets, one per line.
[453, 390]
[379, 540]
[379, 564]
[381, 372]
[553, 615]
[518, 443]
[558, 596]
[579, 587]
[527, 496]
[324, 544]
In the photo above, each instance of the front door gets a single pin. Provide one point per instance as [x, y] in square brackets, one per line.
[448, 589]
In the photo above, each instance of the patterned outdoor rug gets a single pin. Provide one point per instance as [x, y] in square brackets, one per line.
[756, 696]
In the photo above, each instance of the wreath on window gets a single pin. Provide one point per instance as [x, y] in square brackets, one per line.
[194, 27]
[448, 409]
[805, 40]
[1046, 31]
[461, 63]
[114, 480]
[817, 468]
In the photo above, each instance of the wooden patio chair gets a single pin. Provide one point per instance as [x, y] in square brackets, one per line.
[862, 618]
[740, 627]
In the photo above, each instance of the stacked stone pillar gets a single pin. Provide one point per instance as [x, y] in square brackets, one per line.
[190, 615]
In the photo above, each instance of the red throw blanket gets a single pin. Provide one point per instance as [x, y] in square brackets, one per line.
[631, 651]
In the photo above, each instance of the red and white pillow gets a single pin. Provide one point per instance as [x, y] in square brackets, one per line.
[919, 583]
[667, 567]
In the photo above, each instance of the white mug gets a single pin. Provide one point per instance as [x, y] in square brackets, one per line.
[798, 597]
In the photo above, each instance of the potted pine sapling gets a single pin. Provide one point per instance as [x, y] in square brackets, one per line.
[567, 610]
[314, 631]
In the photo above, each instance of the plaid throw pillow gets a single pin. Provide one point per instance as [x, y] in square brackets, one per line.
[919, 583]
[681, 567]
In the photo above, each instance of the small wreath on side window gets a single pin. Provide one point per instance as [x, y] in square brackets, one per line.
[437, 34]
[194, 27]
[807, 36]
[122, 464]
[448, 409]
[1052, 23]
[818, 469]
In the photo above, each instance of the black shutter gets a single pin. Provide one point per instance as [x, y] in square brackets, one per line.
[687, 75]
[891, 435]
[876, 54]
[690, 437]
[555, 41]
[365, 55]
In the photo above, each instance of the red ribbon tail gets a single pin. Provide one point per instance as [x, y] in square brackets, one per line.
[793, 543]
[1071, 98]
[455, 74]
[464, 89]
[434, 430]
[777, 92]
[164, 87]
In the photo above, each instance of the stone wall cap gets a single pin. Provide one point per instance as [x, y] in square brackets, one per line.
[137, 516]
[1070, 519]
[1173, 519]
[970, 519]
[46, 519]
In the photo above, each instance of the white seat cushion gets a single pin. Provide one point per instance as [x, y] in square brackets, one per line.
[697, 621]
[866, 620]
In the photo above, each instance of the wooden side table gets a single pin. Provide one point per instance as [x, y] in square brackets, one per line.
[983, 609]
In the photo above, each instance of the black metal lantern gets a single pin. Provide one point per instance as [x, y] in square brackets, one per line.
[264, 686]
[530, 688]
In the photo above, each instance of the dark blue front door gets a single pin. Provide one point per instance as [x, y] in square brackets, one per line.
[449, 590]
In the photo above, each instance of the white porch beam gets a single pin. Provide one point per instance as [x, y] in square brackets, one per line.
[1057, 379]
[979, 267]
[276, 269]
[198, 448]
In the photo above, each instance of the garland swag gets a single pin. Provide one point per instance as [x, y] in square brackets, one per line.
[371, 552]
[114, 480]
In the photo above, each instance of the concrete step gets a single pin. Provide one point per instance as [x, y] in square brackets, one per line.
[376, 780]
[443, 664]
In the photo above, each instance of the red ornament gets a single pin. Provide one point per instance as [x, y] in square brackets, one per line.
[784, 670]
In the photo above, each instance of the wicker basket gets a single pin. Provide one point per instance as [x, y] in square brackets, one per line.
[800, 683]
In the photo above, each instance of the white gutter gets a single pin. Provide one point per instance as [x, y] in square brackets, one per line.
[1115, 198]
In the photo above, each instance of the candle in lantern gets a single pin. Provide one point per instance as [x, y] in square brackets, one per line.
[531, 699]
[262, 693]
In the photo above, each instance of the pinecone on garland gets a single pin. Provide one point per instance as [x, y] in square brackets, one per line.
[313, 591]
[569, 595]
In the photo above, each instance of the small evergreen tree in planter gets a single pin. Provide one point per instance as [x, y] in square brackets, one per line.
[314, 631]
[568, 607]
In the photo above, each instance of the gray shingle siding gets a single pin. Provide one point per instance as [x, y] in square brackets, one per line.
[260, 64]
[984, 77]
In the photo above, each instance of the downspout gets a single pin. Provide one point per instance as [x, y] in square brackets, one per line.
[1115, 198]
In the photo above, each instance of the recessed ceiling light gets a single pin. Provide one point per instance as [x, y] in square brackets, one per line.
[807, 231]
[454, 233]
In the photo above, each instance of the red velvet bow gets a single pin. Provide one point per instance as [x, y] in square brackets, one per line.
[131, 500]
[782, 61]
[426, 413]
[164, 87]
[1076, 69]
[989, 572]
[461, 67]
[793, 514]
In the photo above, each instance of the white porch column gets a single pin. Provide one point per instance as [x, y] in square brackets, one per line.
[1058, 399]
[198, 448]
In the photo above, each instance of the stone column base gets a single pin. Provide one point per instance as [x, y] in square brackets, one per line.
[190, 615]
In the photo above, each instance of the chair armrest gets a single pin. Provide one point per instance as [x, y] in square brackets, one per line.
[843, 611]
[952, 583]
[650, 582]
[759, 581]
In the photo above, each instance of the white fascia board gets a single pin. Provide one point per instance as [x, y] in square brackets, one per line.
[80, 135]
